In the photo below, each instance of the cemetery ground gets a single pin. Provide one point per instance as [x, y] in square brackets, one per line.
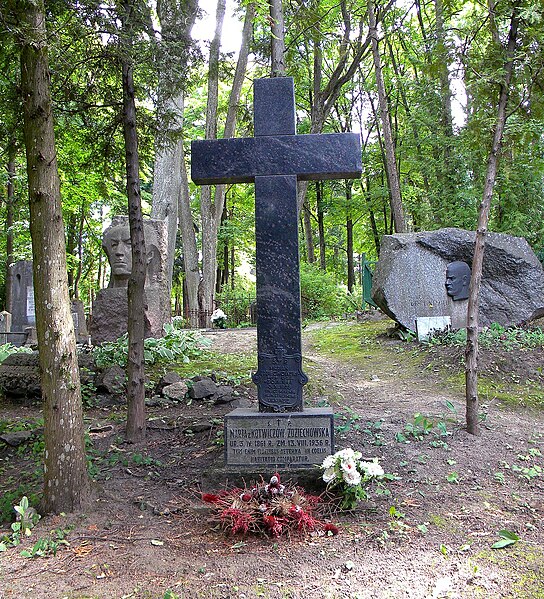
[147, 533]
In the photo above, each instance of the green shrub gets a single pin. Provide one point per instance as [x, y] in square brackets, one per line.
[176, 345]
[321, 296]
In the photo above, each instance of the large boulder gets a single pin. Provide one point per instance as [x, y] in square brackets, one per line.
[410, 278]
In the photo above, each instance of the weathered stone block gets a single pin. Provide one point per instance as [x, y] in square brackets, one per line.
[410, 278]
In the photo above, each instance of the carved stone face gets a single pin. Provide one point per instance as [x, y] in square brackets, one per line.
[457, 280]
[117, 246]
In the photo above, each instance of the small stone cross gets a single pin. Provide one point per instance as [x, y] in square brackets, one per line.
[274, 160]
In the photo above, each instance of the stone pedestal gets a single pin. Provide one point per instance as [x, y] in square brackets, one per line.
[283, 440]
[110, 314]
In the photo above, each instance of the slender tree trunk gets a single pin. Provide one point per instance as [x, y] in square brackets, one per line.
[10, 203]
[66, 483]
[277, 50]
[471, 352]
[210, 212]
[308, 233]
[190, 250]
[349, 237]
[177, 18]
[397, 211]
[321, 225]
[79, 269]
[136, 424]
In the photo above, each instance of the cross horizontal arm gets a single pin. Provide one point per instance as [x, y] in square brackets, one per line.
[309, 157]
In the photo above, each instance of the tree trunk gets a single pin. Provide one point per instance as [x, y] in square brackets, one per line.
[10, 202]
[136, 425]
[66, 483]
[349, 237]
[277, 49]
[190, 250]
[308, 233]
[397, 212]
[177, 18]
[321, 225]
[210, 212]
[471, 351]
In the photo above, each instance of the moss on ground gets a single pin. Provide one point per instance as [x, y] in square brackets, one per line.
[524, 564]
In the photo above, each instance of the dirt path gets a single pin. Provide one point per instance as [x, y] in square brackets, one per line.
[430, 537]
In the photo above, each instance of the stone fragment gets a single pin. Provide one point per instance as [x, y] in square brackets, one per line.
[410, 278]
[223, 394]
[112, 380]
[16, 438]
[176, 391]
[202, 389]
[168, 379]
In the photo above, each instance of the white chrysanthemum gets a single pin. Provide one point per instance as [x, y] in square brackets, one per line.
[371, 468]
[328, 462]
[348, 454]
[329, 475]
[352, 478]
[349, 466]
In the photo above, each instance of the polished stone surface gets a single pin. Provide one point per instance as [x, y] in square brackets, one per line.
[309, 157]
[275, 159]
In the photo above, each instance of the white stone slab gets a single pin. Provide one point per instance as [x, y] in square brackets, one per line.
[426, 326]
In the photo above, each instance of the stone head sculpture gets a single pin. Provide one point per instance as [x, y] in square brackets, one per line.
[457, 280]
[118, 248]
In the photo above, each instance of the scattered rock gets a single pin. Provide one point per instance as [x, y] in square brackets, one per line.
[198, 427]
[112, 380]
[16, 438]
[241, 402]
[176, 391]
[168, 379]
[223, 394]
[203, 388]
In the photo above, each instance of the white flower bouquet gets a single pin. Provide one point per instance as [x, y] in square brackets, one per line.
[219, 319]
[347, 473]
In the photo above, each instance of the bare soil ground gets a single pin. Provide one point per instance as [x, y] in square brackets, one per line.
[147, 532]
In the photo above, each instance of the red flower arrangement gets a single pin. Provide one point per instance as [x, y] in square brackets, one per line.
[269, 508]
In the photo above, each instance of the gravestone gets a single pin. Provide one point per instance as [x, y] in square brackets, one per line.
[281, 434]
[110, 307]
[22, 309]
[426, 275]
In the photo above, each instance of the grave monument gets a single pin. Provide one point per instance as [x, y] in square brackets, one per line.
[426, 275]
[110, 307]
[21, 308]
[281, 434]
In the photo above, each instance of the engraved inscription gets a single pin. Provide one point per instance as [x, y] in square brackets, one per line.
[280, 379]
[293, 441]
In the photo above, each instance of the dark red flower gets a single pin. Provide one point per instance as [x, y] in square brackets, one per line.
[330, 527]
[210, 498]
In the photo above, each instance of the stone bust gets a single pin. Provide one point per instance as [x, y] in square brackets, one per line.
[116, 244]
[457, 280]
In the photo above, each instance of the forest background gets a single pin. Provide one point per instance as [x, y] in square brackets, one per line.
[441, 64]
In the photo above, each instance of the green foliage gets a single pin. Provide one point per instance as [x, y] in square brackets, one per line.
[495, 336]
[176, 345]
[27, 518]
[421, 427]
[321, 296]
[507, 538]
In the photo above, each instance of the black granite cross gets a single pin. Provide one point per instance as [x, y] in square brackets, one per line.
[275, 159]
